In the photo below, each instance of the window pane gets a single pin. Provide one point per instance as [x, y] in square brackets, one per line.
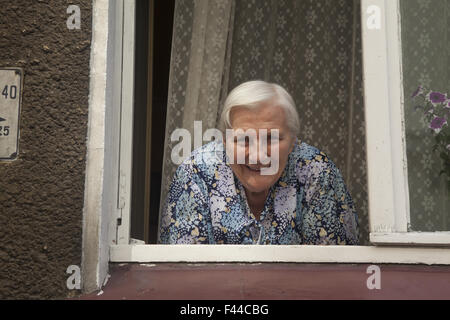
[426, 56]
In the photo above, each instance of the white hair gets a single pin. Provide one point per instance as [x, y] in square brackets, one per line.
[251, 94]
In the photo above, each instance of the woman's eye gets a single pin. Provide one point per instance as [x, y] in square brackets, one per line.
[242, 141]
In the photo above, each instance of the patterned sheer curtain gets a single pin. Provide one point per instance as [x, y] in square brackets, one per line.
[426, 61]
[311, 47]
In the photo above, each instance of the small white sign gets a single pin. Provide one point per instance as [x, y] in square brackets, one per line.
[10, 101]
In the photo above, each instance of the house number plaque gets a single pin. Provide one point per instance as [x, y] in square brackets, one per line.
[10, 101]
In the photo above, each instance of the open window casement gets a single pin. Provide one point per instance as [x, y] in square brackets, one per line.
[388, 183]
[386, 75]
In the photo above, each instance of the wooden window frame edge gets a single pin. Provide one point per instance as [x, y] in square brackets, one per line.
[126, 119]
[384, 131]
[438, 238]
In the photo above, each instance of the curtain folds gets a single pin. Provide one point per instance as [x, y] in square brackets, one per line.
[198, 72]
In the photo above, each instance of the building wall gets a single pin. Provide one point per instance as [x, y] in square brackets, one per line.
[42, 192]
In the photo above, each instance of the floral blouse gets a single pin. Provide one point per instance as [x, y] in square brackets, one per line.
[309, 204]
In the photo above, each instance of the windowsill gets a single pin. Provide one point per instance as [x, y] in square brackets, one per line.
[271, 282]
[282, 253]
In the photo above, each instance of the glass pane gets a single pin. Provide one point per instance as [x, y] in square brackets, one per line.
[426, 56]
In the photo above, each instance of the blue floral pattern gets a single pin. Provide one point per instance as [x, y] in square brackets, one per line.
[309, 204]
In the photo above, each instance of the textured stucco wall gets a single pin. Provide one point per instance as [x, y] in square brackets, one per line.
[42, 192]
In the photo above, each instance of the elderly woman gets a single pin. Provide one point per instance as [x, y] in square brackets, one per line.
[215, 200]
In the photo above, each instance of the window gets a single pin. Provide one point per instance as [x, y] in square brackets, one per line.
[389, 207]
[389, 74]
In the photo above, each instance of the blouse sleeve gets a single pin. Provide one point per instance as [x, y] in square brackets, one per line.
[329, 216]
[185, 217]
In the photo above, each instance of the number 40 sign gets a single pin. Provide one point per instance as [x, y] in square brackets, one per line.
[10, 101]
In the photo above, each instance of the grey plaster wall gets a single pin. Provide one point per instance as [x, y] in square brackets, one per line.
[42, 192]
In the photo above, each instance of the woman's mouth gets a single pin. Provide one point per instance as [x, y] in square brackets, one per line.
[253, 169]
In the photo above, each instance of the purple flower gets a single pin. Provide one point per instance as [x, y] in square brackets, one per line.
[448, 147]
[416, 93]
[437, 97]
[437, 124]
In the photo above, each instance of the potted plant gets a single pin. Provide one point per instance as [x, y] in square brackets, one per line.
[436, 114]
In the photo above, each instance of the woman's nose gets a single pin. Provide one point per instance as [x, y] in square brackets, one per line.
[252, 153]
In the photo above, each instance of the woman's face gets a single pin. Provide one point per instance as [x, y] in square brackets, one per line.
[266, 116]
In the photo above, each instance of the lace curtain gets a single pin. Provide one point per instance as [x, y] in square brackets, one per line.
[311, 47]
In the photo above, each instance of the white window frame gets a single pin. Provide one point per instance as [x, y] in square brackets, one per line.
[126, 42]
[386, 174]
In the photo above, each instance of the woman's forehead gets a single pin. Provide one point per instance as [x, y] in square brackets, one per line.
[265, 116]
